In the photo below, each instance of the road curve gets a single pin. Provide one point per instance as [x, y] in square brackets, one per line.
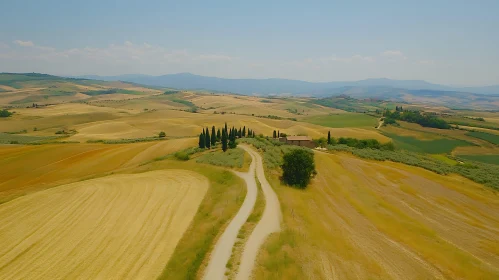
[223, 248]
[269, 223]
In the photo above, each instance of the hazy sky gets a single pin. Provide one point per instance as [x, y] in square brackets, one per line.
[450, 42]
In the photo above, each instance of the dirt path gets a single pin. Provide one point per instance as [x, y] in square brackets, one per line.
[223, 249]
[380, 123]
[269, 223]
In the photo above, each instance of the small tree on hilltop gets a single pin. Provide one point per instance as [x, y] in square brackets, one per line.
[298, 168]
[207, 138]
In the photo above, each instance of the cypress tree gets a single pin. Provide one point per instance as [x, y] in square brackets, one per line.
[329, 137]
[278, 134]
[274, 135]
[219, 135]
[226, 131]
[240, 134]
[224, 140]
[244, 131]
[201, 141]
[213, 136]
[207, 138]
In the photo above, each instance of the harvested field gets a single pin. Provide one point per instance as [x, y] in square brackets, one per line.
[372, 220]
[117, 227]
[25, 169]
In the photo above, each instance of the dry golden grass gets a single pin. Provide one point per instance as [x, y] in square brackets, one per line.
[116, 227]
[372, 220]
[181, 124]
[25, 169]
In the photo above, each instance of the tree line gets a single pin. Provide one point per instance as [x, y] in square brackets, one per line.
[353, 142]
[226, 136]
[277, 134]
[415, 117]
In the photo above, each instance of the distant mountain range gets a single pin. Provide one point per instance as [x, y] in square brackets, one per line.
[282, 86]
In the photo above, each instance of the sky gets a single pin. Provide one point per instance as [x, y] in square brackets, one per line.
[452, 42]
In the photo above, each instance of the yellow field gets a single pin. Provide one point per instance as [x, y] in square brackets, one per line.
[116, 227]
[30, 168]
[372, 220]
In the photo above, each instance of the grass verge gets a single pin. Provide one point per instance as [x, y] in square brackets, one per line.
[222, 200]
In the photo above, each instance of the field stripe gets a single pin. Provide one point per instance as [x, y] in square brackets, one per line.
[116, 227]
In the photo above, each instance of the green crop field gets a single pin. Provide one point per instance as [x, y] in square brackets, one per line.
[437, 146]
[6, 138]
[494, 139]
[344, 120]
[231, 158]
[492, 159]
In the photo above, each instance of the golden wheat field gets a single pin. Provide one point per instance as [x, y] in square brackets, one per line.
[30, 168]
[117, 227]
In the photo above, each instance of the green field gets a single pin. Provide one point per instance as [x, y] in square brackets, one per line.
[492, 159]
[494, 139]
[343, 120]
[437, 146]
[6, 138]
[231, 158]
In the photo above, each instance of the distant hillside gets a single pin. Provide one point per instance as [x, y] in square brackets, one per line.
[280, 86]
[32, 89]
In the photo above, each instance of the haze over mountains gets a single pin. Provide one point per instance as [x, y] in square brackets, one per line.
[285, 86]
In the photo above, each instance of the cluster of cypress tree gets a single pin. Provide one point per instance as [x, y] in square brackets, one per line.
[277, 134]
[225, 136]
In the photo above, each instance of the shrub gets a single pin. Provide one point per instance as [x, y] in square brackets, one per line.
[162, 134]
[182, 155]
[4, 113]
[298, 168]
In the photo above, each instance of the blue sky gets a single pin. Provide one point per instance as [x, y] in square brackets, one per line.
[449, 42]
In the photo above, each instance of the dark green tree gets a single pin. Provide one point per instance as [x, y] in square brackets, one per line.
[201, 141]
[224, 140]
[213, 136]
[219, 135]
[207, 138]
[162, 134]
[240, 133]
[244, 131]
[298, 168]
[274, 135]
[329, 137]
[278, 134]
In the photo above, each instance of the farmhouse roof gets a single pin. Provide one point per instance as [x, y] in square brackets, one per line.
[298, 138]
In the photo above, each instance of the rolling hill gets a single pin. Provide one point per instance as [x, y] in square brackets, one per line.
[280, 86]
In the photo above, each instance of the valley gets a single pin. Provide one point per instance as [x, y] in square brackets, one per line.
[86, 171]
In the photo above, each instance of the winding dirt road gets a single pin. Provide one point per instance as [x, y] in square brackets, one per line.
[223, 249]
[269, 223]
